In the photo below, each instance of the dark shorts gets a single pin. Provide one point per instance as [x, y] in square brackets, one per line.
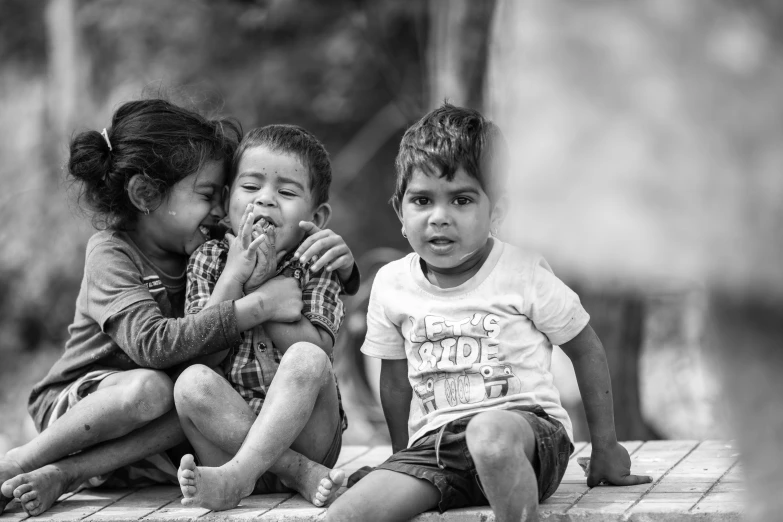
[456, 477]
[270, 483]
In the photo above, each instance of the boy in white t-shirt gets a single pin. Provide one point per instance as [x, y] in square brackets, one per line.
[465, 327]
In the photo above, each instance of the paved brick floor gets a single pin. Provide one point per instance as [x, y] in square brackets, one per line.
[692, 481]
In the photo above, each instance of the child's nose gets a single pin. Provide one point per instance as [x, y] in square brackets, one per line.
[217, 211]
[440, 216]
[265, 198]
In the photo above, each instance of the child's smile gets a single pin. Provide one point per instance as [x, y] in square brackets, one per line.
[447, 222]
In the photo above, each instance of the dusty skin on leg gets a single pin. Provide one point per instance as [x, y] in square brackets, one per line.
[502, 445]
[296, 424]
[119, 404]
[39, 489]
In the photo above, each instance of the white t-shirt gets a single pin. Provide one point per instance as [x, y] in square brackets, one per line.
[483, 345]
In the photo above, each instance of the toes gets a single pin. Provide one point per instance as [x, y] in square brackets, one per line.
[188, 502]
[21, 490]
[187, 463]
[188, 490]
[324, 488]
[187, 474]
[28, 497]
[320, 499]
[337, 476]
[33, 507]
[11, 484]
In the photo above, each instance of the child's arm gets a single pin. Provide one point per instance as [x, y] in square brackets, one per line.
[322, 316]
[154, 341]
[609, 460]
[320, 324]
[396, 396]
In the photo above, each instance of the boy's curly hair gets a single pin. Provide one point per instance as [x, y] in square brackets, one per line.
[446, 139]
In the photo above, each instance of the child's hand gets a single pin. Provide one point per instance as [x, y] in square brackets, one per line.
[284, 297]
[243, 249]
[326, 249]
[611, 464]
[266, 257]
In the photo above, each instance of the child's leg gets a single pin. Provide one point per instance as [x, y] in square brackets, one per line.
[382, 496]
[216, 420]
[120, 403]
[502, 445]
[39, 489]
[300, 413]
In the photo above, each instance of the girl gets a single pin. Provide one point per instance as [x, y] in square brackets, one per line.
[154, 179]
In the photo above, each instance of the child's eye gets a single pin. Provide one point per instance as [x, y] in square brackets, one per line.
[249, 187]
[462, 200]
[420, 200]
[289, 193]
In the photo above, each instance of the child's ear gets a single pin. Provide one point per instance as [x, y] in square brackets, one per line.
[397, 209]
[498, 214]
[143, 195]
[322, 215]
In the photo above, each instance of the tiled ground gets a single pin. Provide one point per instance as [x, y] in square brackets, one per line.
[692, 481]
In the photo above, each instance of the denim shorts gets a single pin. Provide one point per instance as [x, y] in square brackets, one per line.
[447, 463]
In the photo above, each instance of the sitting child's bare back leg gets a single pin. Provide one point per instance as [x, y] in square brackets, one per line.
[384, 496]
[40, 488]
[502, 445]
[297, 423]
[119, 404]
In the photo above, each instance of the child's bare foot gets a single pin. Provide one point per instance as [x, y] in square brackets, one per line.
[39, 489]
[8, 470]
[212, 488]
[317, 483]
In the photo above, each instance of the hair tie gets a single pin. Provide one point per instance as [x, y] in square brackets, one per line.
[106, 137]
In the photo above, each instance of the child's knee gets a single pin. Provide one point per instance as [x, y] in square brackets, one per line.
[148, 395]
[193, 387]
[496, 435]
[305, 361]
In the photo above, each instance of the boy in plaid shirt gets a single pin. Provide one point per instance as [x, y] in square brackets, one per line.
[249, 433]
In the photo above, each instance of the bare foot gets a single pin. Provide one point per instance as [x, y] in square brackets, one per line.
[39, 489]
[318, 484]
[212, 488]
[8, 470]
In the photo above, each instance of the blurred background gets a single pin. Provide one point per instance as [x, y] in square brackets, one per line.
[646, 144]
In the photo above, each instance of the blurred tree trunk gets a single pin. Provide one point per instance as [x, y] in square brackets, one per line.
[457, 51]
[68, 78]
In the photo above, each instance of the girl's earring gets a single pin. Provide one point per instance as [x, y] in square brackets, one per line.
[404, 234]
[147, 211]
[493, 231]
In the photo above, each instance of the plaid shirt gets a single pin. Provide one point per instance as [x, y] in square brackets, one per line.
[251, 367]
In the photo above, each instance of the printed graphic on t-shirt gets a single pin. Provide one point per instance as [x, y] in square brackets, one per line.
[154, 284]
[459, 359]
